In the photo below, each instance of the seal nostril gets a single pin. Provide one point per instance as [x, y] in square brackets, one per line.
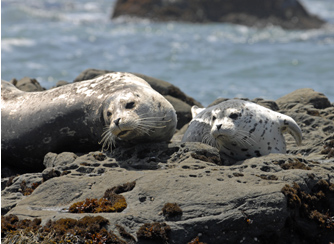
[116, 121]
[219, 126]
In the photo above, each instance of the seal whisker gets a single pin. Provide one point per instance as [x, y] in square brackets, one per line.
[210, 140]
[108, 140]
[245, 137]
[161, 117]
[240, 139]
[151, 125]
[143, 130]
[154, 120]
[219, 143]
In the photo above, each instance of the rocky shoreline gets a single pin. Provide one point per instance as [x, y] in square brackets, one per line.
[181, 192]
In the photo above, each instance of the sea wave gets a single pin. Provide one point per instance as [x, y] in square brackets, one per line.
[7, 44]
[62, 11]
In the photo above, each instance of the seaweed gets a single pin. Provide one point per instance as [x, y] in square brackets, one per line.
[110, 202]
[316, 205]
[85, 230]
[294, 164]
[170, 210]
[196, 241]
[116, 204]
[210, 159]
[157, 232]
[11, 223]
[120, 189]
[11, 180]
[99, 156]
[26, 191]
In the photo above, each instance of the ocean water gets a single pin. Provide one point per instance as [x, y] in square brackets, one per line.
[55, 40]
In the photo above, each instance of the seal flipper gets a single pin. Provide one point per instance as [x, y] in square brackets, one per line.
[290, 126]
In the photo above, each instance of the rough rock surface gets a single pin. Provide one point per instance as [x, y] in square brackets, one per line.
[286, 13]
[235, 203]
[222, 201]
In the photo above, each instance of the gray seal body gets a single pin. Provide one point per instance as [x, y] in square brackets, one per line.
[77, 116]
[241, 129]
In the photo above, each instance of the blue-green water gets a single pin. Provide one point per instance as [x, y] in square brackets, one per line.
[56, 40]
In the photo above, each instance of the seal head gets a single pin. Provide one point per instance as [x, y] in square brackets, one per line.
[133, 117]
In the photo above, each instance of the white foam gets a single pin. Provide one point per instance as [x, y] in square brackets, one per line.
[7, 44]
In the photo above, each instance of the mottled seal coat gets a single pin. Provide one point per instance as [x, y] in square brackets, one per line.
[241, 129]
[113, 108]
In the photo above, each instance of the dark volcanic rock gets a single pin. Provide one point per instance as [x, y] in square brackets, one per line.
[180, 101]
[286, 13]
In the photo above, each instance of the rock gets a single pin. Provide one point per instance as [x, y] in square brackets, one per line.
[285, 13]
[258, 200]
[27, 84]
[53, 159]
[243, 202]
[89, 74]
[266, 103]
[16, 190]
[182, 110]
[181, 102]
[165, 88]
[61, 83]
[304, 96]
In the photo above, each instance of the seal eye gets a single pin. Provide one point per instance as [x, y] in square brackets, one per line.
[108, 113]
[233, 116]
[130, 105]
[214, 118]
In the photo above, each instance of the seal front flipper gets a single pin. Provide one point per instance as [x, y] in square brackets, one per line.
[290, 126]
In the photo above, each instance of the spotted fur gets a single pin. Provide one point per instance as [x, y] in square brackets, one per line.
[241, 129]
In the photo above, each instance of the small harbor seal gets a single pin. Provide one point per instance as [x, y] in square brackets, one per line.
[241, 129]
[113, 109]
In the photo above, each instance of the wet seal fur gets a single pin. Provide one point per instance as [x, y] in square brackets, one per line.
[112, 109]
[241, 129]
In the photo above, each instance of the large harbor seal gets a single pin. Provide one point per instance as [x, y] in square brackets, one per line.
[241, 129]
[113, 109]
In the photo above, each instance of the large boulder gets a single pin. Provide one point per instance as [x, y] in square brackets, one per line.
[286, 13]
